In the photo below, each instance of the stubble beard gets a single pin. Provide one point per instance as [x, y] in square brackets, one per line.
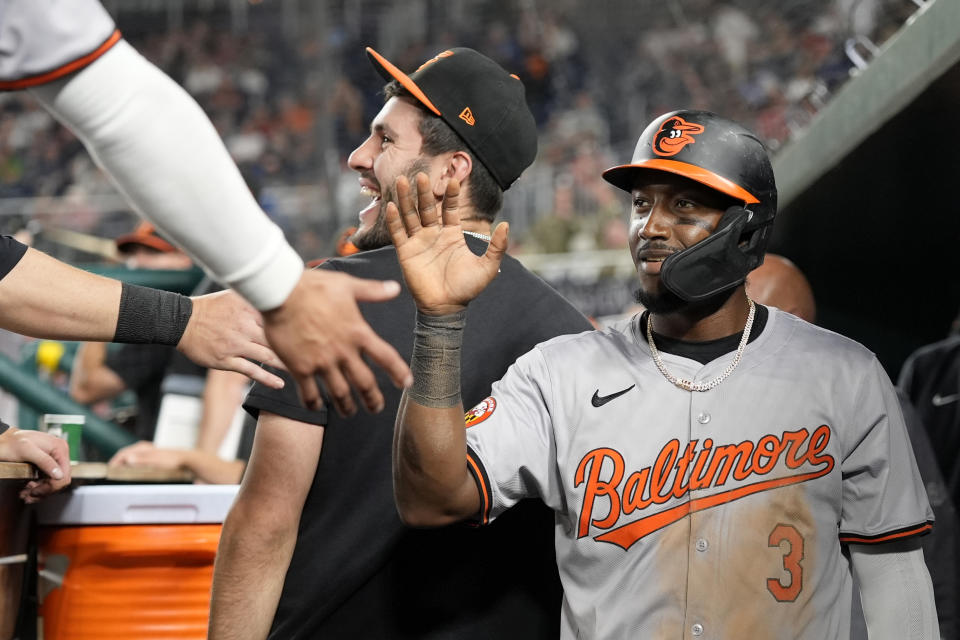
[378, 235]
[665, 302]
[662, 302]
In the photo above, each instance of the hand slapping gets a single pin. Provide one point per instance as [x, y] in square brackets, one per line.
[441, 271]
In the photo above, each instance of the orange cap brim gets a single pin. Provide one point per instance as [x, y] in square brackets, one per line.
[404, 80]
[145, 240]
[691, 171]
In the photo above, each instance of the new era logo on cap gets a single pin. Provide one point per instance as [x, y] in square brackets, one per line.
[467, 116]
[480, 101]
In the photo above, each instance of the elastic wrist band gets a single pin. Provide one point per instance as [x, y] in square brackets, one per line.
[151, 316]
[436, 360]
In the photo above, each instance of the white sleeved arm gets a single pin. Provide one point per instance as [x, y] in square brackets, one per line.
[895, 591]
[165, 156]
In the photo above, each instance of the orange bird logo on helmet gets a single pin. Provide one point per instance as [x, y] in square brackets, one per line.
[675, 133]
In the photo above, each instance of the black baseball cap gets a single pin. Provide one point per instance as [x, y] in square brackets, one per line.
[484, 104]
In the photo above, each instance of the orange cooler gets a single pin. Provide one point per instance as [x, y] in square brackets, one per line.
[130, 561]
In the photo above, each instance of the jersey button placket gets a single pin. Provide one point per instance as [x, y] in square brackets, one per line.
[703, 525]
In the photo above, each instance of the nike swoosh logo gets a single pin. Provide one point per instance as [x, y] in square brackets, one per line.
[939, 400]
[598, 401]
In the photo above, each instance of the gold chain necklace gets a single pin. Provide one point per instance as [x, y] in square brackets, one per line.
[690, 385]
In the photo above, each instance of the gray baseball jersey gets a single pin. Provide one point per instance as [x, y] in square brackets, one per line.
[702, 515]
[42, 40]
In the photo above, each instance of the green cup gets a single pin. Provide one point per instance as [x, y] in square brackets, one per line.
[68, 427]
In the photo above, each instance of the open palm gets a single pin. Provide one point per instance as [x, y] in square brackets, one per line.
[441, 271]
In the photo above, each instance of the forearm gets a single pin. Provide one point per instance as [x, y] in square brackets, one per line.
[91, 379]
[149, 134]
[895, 591]
[211, 469]
[248, 575]
[45, 298]
[431, 483]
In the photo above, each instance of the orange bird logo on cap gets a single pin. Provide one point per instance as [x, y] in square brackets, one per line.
[442, 54]
[675, 133]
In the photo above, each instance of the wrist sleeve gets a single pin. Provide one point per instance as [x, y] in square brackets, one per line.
[151, 316]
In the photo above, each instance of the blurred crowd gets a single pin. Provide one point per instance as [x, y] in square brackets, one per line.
[291, 97]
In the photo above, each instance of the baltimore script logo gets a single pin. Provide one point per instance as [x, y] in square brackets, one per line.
[675, 133]
[674, 474]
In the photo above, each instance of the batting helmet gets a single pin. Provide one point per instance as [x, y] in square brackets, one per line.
[720, 154]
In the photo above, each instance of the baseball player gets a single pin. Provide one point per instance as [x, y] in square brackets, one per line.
[165, 156]
[716, 467]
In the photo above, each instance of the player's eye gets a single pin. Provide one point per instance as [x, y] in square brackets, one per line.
[384, 140]
[640, 202]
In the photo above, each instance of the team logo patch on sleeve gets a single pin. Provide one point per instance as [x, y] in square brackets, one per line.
[480, 412]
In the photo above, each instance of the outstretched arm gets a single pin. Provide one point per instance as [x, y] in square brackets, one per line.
[45, 298]
[431, 483]
[147, 133]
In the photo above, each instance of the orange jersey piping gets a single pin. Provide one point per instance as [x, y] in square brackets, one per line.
[926, 527]
[476, 468]
[59, 72]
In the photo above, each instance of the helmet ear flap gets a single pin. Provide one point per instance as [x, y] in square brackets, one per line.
[713, 265]
[756, 247]
[752, 242]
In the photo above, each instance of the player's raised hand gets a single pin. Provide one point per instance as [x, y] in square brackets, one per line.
[319, 330]
[441, 271]
[223, 331]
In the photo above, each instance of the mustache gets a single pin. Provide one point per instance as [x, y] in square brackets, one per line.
[656, 245]
[368, 175]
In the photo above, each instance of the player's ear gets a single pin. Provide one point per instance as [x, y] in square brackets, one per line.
[461, 164]
[457, 164]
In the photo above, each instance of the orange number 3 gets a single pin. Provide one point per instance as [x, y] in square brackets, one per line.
[791, 563]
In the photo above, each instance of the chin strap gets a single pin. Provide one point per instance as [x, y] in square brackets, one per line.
[715, 264]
